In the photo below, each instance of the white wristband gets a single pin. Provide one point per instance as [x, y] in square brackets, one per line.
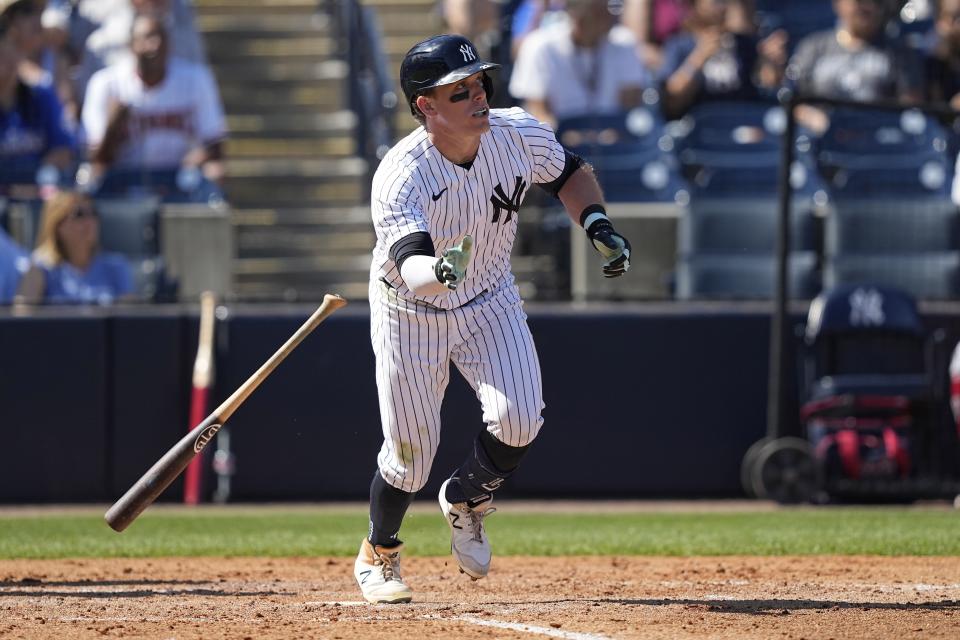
[593, 217]
[420, 277]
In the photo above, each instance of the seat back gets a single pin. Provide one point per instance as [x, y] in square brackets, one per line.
[892, 226]
[129, 225]
[743, 225]
[630, 153]
[730, 148]
[888, 153]
[859, 329]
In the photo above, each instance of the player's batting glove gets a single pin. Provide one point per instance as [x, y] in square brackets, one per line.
[614, 248]
[451, 267]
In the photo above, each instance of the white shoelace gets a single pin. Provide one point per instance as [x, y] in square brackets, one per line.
[389, 565]
[476, 521]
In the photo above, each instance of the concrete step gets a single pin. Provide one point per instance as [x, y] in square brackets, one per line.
[331, 123]
[228, 48]
[268, 148]
[257, 96]
[306, 216]
[274, 289]
[254, 7]
[258, 70]
[247, 25]
[297, 168]
[303, 265]
[291, 242]
[268, 192]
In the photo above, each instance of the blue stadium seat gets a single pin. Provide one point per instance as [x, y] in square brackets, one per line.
[729, 276]
[732, 148]
[865, 339]
[630, 153]
[884, 153]
[130, 226]
[891, 226]
[744, 225]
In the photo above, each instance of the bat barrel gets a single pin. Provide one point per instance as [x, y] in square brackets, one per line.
[160, 475]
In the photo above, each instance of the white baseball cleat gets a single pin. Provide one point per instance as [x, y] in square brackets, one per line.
[468, 540]
[377, 571]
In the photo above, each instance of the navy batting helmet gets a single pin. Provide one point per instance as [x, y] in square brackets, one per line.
[438, 61]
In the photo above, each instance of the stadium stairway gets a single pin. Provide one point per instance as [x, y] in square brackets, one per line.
[294, 183]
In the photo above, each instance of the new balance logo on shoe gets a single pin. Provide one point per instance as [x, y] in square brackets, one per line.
[365, 574]
[456, 519]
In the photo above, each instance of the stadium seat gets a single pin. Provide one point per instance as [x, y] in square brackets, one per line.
[893, 226]
[884, 153]
[745, 225]
[727, 149]
[728, 276]
[630, 153]
[130, 226]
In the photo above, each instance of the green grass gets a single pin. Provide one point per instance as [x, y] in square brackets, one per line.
[306, 532]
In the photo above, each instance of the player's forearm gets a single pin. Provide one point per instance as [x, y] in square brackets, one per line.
[420, 275]
[579, 192]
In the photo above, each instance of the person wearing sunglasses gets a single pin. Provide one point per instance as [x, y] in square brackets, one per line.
[68, 264]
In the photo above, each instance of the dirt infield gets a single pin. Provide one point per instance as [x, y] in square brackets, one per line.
[582, 598]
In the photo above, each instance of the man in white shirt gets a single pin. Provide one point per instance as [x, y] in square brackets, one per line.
[581, 66]
[154, 112]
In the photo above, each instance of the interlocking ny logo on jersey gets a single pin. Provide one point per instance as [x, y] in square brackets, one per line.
[500, 200]
[468, 53]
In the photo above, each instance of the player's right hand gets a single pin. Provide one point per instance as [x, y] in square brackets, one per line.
[451, 267]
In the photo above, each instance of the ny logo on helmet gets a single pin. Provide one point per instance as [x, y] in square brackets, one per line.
[467, 52]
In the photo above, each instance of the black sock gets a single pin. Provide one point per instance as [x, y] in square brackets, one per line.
[387, 508]
[490, 463]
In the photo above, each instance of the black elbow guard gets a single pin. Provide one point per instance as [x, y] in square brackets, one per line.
[571, 163]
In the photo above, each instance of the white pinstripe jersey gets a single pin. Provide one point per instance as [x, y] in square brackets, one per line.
[416, 189]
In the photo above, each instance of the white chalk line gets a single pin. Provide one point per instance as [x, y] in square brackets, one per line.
[529, 628]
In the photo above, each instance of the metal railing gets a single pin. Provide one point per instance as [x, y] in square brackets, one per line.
[369, 83]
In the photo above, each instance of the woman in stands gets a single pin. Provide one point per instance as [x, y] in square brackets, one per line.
[68, 264]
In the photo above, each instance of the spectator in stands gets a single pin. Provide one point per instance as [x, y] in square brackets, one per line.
[68, 264]
[32, 133]
[719, 57]
[14, 262]
[854, 61]
[154, 113]
[96, 33]
[653, 22]
[531, 15]
[577, 67]
[943, 61]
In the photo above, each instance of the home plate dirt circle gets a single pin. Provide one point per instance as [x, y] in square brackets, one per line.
[578, 598]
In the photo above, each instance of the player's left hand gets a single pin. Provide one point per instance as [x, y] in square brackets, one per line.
[612, 246]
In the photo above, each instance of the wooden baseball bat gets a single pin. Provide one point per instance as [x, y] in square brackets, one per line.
[166, 469]
[199, 400]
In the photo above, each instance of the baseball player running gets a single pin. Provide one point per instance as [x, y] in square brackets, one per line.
[444, 204]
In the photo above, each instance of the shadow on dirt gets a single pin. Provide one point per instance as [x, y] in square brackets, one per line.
[95, 589]
[782, 607]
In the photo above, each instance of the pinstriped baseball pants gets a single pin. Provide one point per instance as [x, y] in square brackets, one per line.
[487, 339]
